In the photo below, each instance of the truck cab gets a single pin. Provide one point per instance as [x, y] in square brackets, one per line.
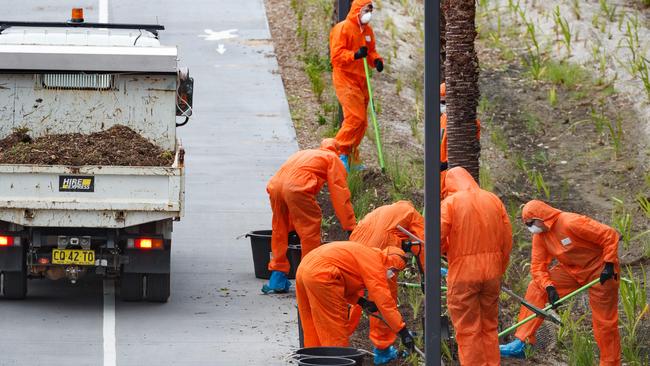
[65, 221]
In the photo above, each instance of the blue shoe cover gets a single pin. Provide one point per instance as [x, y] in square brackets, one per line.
[278, 283]
[346, 162]
[358, 167]
[443, 272]
[384, 356]
[514, 349]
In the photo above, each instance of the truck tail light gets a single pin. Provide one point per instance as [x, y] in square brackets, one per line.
[148, 243]
[6, 241]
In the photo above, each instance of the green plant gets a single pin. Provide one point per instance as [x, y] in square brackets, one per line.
[616, 135]
[315, 66]
[575, 8]
[499, 139]
[622, 221]
[538, 182]
[600, 58]
[534, 57]
[635, 308]
[582, 350]
[642, 71]
[568, 74]
[563, 24]
[552, 96]
[607, 10]
[644, 204]
[485, 178]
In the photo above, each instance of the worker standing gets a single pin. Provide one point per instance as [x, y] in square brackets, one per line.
[584, 250]
[331, 277]
[476, 236]
[292, 192]
[350, 41]
[444, 161]
[379, 230]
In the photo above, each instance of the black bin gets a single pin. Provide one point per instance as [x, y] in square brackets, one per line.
[261, 247]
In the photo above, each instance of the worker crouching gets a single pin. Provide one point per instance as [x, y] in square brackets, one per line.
[331, 277]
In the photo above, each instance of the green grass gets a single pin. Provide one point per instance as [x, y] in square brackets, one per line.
[532, 122]
[315, 65]
[499, 139]
[485, 178]
[565, 29]
[607, 10]
[635, 308]
[566, 74]
[552, 96]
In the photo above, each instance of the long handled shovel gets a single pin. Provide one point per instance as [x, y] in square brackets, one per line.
[549, 307]
[373, 116]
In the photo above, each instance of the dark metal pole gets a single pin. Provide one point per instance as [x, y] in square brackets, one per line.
[342, 10]
[432, 299]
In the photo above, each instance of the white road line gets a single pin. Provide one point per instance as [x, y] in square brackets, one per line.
[103, 11]
[110, 356]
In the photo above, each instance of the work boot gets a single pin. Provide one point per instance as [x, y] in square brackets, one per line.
[514, 349]
[346, 162]
[384, 356]
[278, 283]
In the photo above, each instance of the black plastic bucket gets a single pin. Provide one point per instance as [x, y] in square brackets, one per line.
[294, 254]
[261, 246]
[328, 361]
[336, 352]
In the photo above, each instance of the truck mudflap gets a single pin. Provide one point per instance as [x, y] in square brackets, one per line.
[151, 261]
[12, 259]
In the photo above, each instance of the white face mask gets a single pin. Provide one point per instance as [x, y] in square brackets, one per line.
[443, 108]
[534, 229]
[365, 18]
[390, 273]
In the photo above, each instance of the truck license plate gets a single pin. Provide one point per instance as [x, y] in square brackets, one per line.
[73, 256]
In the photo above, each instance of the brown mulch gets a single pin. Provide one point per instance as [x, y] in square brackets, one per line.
[119, 145]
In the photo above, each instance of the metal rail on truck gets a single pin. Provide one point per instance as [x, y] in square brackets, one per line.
[153, 28]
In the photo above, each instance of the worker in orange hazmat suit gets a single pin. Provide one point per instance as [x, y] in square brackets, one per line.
[379, 230]
[350, 41]
[292, 192]
[476, 236]
[331, 277]
[444, 160]
[584, 249]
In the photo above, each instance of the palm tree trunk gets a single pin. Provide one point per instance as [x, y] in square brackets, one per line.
[461, 76]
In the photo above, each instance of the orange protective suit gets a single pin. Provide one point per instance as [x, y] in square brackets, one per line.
[444, 160]
[581, 247]
[331, 277]
[476, 235]
[379, 230]
[292, 192]
[349, 77]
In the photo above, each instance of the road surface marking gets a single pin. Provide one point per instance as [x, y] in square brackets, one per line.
[221, 49]
[110, 357]
[211, 35]
[103, 11]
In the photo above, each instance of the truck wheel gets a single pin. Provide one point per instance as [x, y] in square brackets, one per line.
[131, 287]
[15, 285]
[158, 287]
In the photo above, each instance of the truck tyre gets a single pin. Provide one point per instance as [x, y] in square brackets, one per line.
[158, 287]
[15, 284]
[131, 287]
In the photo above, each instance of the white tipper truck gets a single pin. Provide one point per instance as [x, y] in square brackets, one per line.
[60, 221]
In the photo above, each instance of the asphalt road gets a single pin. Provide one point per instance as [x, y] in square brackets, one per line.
[239, 136]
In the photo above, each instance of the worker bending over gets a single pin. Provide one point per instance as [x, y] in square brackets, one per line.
[331, 277]
[476, 236]
[444, 161]
[379, 230]
[292, 191]
[350, 41]
[584, 250]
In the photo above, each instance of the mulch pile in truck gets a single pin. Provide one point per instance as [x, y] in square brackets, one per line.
[119, 145]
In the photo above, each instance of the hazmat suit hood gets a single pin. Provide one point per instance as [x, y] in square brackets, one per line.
[394, 257]
[330, 144]
[458, 179]
[355, 10]
[536, 209]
